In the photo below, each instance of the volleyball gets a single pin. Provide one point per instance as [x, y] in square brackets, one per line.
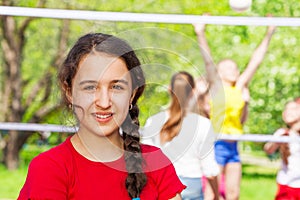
[240, 5]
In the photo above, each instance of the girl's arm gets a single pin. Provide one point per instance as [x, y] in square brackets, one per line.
[211, 70]
[256, 59]
[271, 147]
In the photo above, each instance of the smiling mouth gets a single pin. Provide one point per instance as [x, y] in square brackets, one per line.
[104, 116]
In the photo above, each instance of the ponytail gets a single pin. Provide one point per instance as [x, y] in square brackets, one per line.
[182, 84]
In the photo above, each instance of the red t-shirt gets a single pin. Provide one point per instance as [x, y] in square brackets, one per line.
[62, 173]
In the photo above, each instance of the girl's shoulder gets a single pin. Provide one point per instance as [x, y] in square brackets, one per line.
[56, 155]
[199, 119]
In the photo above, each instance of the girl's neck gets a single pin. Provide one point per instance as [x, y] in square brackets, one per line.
[227, 83]
[98, 148]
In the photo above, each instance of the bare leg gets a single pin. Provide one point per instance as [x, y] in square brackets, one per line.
[233, 174]
[208, 192]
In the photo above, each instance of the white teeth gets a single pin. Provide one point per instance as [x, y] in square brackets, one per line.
[103, 116]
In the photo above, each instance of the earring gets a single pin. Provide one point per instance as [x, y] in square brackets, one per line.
[70, 106]
[130, 106]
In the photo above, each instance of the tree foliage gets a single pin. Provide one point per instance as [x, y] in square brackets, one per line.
[35, 47]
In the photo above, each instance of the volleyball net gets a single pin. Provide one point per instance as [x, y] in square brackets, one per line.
[144, 18]
[33, 127]
[147, 17]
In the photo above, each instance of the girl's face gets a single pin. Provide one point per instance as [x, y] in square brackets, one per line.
[101, 94]
[291, 113]
[228, 71]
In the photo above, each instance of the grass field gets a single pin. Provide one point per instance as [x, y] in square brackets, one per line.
[11, 182]
[258, 182]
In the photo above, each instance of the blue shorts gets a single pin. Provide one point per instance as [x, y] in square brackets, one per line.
[226, 152]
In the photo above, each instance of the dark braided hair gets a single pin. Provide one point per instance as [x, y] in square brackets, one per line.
[112, 45]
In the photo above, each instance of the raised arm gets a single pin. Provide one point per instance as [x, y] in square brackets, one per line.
[206, 54]
[256, 59]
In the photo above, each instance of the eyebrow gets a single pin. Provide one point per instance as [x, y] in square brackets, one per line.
[87, 81]
[113, 81]
[120, 81]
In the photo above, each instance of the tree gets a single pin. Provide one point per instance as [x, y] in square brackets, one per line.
[23, 99]
[13, 104]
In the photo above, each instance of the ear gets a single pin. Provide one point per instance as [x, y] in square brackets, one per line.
[133, 95]
[69, 95]
[68, 92]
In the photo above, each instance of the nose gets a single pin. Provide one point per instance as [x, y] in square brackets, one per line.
[103, 98]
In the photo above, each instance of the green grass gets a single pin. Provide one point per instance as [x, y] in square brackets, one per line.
[258, 182]
[11, 182]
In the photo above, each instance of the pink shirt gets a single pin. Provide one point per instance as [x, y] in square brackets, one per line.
[62, 173]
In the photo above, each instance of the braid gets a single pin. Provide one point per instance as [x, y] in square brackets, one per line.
[136, 178]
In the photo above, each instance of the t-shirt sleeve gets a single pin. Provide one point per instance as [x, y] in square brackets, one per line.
[163, 171]
[46, 179]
